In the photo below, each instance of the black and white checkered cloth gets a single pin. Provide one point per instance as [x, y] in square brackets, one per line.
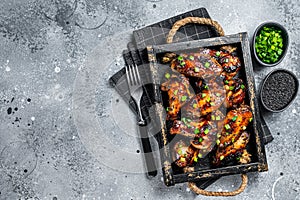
[155, 34]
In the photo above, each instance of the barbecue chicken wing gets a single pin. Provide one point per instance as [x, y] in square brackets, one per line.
[235, 150]
[202, 132]
[184, 155]
[179, 92]
[235, 124]
[200, 65]
[208, 100]
[230, 64]
[235, 92]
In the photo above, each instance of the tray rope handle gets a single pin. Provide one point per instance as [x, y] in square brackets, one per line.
[239, 190]
[219, 29]
[193, 20]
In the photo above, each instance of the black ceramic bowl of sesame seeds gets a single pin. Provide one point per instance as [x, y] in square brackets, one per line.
[278, 90]
[270, 43]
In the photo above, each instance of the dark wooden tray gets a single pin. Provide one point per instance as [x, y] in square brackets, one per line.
[256, 144]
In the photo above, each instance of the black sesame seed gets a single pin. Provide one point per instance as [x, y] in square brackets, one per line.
[278, 90]
[9, 110]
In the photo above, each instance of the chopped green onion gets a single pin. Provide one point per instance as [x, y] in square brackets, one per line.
[175, 92]
[227, 60]
[218, 94]
[218, 53]
[183, 98]
[200, 155]
[250, 120]
[167, 109]
[167, 75]
[196, 131]
[208, 99]
[244, 127]
[232, 140]
[206, 131]
[195, 159]
[222, 157]
[218, 118]
[197, 69]
[206, 87]
[183, 119]
[191, 57]
[194, 105]
[212, 103]
[182, 159]
[180, 58]
[226, 81]
[179, 151]
[218, 135]
[218, 142]
[234, 118]
[182, 63]
[243, 87]
[188, 120]
[231, 87]
[213, 117]
[227, 126]
[200, 139]
[227, 133]
[207, 64]
[203, 95]
[269, 44]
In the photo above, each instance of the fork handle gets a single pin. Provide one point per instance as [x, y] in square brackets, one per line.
[141, 121]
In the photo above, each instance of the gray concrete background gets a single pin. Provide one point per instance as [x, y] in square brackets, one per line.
[58, 113]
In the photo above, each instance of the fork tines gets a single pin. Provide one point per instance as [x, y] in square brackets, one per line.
[133, 75]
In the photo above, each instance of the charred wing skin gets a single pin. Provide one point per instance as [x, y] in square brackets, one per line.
[197, 65]
[184, 155]
[203, 133]
[237, 148]
[230, 64]
[235, 123]
[228, 49]
[217, 117]
[189, 128]
[178, 88]
[210, 99]
[233, 133]
[235, 92]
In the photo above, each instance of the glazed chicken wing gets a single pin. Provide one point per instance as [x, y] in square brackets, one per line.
[205, 102]
[179, 92]
[235, 92]
[235, 124]
[184, 155]
[202, 132]
[197, 65]
[235, 149]
[230, 64]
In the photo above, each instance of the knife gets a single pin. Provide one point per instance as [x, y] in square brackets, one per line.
[148, 154]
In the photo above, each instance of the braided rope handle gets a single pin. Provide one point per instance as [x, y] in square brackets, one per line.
[219, 29]
[193, 20]
[242, 187]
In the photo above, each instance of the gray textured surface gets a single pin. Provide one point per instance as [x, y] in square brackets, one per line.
[55, 59]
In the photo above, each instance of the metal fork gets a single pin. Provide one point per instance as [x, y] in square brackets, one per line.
[135, 88]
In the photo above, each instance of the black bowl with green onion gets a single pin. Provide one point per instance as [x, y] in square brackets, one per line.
[270, 43]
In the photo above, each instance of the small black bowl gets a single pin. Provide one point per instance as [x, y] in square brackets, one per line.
[278, 90]
[285, 42]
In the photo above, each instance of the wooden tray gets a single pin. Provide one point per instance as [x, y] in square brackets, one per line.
[256, 144]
